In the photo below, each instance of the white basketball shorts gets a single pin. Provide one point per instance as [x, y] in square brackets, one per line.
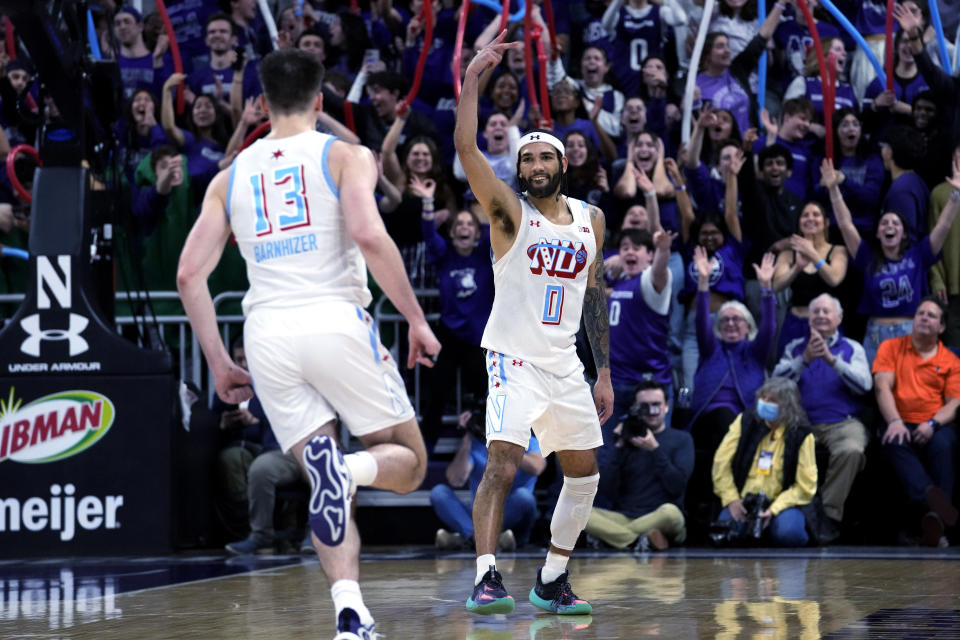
[318, 362]
[560, 410]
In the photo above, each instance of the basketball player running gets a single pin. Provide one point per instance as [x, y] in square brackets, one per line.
[548, 271]
[300, 205]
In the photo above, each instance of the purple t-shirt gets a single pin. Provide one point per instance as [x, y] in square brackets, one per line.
[845, 97]
[725, 92]
[638, 335]
[203, 157]
[861, 189]
[203, 81]
[139, 73]
[579, 124]
[465, 283]
[727, 275]
[895, 289]
[188, 19]
[905, 90]
[871, 18]
[793, 39]
[910, 197]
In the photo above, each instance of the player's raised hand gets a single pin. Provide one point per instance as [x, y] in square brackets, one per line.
[424, 346]
[491, 55]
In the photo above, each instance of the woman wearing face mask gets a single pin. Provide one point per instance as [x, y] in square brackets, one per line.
[895, 272]
[732, 350]
[769, 449]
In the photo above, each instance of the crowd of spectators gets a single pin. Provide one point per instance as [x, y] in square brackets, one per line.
[728, 257]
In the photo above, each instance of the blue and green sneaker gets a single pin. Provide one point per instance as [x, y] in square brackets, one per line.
[558, 597]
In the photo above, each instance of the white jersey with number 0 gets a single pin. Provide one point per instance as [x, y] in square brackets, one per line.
[540, 283]
[284, 210]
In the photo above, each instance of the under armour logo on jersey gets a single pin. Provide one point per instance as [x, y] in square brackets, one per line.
[558, 258]
[35, 335]
[518, 363]
[585, 229]
[534, 223]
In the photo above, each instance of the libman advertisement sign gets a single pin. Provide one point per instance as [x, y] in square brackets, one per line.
[52, 427]
[84, 469]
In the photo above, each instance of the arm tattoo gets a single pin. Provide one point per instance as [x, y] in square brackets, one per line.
[595, 319]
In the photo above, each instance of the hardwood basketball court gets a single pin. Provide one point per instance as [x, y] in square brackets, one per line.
[414, 593]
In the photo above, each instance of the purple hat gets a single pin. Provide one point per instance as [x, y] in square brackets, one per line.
[132, 11]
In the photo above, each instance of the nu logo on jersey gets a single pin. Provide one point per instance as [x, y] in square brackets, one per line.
[36, 335]
[558, 258]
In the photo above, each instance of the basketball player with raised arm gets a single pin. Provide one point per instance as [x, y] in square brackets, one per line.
[301, 207]
[548, 271]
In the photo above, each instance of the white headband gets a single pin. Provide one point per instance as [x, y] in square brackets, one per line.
[541, 136]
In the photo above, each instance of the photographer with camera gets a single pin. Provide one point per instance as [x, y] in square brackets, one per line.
[768, 452]
[646, 476]
[520, 507]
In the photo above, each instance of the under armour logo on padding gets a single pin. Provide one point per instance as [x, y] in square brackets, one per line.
[535, 137]
[35, 335]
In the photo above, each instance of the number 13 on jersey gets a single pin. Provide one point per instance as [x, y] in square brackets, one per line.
[293, 191]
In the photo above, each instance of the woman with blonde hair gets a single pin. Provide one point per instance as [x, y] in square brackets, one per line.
[810, 86]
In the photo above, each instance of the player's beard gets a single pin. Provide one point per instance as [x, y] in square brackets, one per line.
[548, 189]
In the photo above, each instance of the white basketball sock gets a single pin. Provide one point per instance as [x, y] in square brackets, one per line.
[484, 563]
[553, 568]
[363, 468]
[346, 595]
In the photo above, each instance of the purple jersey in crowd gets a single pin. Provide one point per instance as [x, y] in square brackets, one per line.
[727, 275]
[639, 330]
[895, 289]
[637, 36]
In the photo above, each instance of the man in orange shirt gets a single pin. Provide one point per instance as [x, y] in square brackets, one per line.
[917, 382]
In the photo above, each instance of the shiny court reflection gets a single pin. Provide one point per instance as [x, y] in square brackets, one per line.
[833, 593]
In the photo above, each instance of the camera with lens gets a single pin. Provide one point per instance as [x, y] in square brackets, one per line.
[635, 424]
[477, 422]
[730, 532]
